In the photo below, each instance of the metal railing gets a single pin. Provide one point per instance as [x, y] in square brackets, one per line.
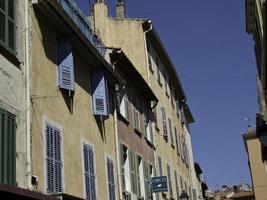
[82, 23]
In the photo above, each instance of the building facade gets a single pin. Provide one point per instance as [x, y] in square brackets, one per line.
[139, 40]
[256, 146]
[90, 107]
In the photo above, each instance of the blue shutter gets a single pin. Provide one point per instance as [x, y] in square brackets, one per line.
[53, 159]
[100, 93]
[89, 172]
[111, 183]
[65, 64]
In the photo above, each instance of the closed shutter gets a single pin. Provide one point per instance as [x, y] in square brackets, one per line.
[146, 179]
[133, 168]
[111, 182]
[7, 148]
[160, 165]
[164, 123]
[176, 184]
[176, 141]
[100, 93]
[170, 127]
[65, 64]
[169, 180]
[89, 172]
[53, 159]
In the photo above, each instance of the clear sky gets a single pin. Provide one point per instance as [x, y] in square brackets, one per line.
[214, 57]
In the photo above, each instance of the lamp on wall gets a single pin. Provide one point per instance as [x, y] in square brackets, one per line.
[184, 196]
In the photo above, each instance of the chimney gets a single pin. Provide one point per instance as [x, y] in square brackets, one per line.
[120, 9]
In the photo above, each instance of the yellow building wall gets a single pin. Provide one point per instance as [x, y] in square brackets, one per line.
[258, 169]
[78, 125]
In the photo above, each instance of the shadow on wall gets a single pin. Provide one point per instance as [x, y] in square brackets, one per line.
[82, 65]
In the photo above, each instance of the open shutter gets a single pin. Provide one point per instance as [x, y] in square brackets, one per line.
[100, 93]
[122, 170]
[65, 64]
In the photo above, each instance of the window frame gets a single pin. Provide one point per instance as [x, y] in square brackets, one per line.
[5, 44]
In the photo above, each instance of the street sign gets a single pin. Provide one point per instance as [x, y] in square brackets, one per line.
[159, 184]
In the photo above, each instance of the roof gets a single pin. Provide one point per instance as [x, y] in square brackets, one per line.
[125, 65]
[242, 194]
[155, 39]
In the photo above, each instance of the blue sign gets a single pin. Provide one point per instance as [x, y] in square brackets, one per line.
[159, 184]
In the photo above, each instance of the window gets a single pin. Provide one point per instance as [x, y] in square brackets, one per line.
[65, 64]
[158, 70]
[89, 172]
[148, 130]
[123, 163]
[194, 194]
[7, 147]
[155, 119]
[177, 141]
[178, 105]
[139, 175]
[148, 169]
[160, 165]
[7, 24]
[111, 182]
[149, 57]
[176, 184]
[164, 123]
[170, 127]
[133, 171]
[53, 159]
[169, 180]
[124, 105]
[166, 78]
[136, 117]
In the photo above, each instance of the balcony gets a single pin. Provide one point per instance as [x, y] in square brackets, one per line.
[74, 17]
[82, 23]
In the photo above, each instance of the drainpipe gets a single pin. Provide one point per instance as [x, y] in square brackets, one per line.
[28, 100]
[146, 54]
[117, 147]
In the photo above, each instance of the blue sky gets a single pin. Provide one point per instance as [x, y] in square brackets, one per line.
[214, 58]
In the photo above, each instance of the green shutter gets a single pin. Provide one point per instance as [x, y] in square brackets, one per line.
[7, 148]
[7, 24]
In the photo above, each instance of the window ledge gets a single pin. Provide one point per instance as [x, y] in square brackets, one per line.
[138, 132]
[9, 56]
[149, 143]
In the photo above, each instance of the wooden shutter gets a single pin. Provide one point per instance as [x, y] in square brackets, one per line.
[89, 172]
[160, 165]
[122, 170]
[133, 168]
[164, 123]
[169, 180]
[65, 64]
[176, 184]
[138, 163]
[170, 127]
[111, 182]
[177, 141]
[99, 93]
[53, 159]
[7, 147]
